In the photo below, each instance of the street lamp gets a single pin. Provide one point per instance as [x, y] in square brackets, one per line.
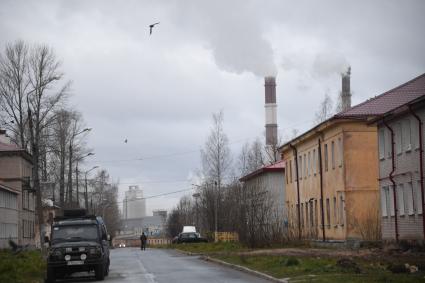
[86, 197]
[76, 173]
[70, 162]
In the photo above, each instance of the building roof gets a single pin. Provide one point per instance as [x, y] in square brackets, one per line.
[388, 101]
[8, 147]
[275, 167]
[378, 106]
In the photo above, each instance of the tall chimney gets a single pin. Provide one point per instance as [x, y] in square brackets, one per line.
[346, 93]
[271, 116]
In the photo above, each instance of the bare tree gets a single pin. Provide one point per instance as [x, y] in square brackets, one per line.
[251, 157]
[14, 87]
[325, 110]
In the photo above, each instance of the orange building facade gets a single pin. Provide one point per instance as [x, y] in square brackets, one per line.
[332, 181]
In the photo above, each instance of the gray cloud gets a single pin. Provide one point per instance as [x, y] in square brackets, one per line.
[159, 91]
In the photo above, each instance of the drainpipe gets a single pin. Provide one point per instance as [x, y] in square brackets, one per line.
[421, 166]
[319, 152]
[298, 190]
[392, 179]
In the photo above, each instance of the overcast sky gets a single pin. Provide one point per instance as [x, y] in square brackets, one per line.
[159, 91]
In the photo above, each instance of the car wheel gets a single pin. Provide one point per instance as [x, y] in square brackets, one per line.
[51, 276]
[99, 272]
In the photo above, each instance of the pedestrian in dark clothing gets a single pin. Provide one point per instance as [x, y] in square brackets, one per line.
[143, 240]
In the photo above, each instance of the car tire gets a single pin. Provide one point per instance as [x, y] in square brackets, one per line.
[51, 276]
[99, 272]
[107, 269]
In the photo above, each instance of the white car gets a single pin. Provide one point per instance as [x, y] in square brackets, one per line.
[121, 245]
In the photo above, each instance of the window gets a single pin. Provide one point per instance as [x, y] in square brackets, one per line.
[306, 215]
[388, 145]
[302, 215]
[341, 151]
[328, 213]
[321, 214]
[407, 138]
[335, 212]
[300, 172]
[418, 197]
[409, 199]
[391, 200]
[309, 163]
[305, 167]
[384, 201]
[315, 213]
[333, 154]
[314, 162]
[398, 138]
[8, 231]
[326, 157]
[381, 143]
[8, 199]
[400, 196]
[341, 210]
[312, 212]
[290, 171]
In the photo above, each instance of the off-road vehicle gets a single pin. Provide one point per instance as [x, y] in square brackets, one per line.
[78, 242]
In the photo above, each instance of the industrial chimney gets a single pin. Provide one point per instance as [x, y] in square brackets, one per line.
[271, 115]
[346, 93]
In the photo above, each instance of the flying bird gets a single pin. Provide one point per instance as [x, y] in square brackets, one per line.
[151, 27]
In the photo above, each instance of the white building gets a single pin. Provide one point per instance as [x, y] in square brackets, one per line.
[134, 205]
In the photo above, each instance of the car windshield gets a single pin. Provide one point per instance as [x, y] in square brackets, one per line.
[74, 233]
[188, 235]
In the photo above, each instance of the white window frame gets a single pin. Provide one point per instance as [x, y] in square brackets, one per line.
[384, 204]
[381, 143]
[409, 199]
[401, 203]
[407, 135]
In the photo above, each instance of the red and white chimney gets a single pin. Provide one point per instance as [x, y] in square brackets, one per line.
[271, 107]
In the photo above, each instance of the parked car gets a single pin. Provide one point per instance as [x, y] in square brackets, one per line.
[78, 242]
[190, 237]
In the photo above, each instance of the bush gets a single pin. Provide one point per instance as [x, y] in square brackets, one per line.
[291, 261]
[23, 267]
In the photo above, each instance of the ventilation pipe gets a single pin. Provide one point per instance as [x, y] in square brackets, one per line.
[346, 93]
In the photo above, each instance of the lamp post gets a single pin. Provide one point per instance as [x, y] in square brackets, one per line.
[86, 197]
[76, 174]
[70, 163]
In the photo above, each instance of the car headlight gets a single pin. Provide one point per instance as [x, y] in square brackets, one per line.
[67, 257]
[83, 256]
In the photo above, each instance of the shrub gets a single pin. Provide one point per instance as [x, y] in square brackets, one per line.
[23, 267]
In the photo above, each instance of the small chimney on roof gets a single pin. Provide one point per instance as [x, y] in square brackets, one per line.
[271, 115]
[345, 92]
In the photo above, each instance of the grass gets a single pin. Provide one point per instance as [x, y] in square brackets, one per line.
[311, 269]
[24, 267]
[207, 248]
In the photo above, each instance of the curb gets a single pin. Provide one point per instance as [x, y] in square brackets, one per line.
[244, 269]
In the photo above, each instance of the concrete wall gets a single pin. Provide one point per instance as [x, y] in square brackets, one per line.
[406, 177]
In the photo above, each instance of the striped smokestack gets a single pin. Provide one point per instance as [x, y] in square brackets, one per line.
[271, 115]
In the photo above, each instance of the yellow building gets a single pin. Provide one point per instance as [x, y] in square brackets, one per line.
[331, 179]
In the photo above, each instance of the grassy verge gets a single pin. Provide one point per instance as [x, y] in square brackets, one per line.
[24, 267]
[207, 248]
[311, 269]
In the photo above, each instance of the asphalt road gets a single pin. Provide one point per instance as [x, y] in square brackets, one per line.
[165, 266]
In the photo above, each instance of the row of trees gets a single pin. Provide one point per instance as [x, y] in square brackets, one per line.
[34, 110]
[221, 203]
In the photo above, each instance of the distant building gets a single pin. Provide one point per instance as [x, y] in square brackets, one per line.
[134, 205]
[17, 199]
[270, 178]
[150, 225]
[160, 212]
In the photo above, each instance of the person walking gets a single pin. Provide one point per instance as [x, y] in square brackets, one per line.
[143, 240]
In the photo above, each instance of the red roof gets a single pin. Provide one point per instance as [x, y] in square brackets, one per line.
[388, 101]
[8, 147]
[275, 167]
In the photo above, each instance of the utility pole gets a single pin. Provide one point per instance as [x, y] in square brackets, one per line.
[216, 213]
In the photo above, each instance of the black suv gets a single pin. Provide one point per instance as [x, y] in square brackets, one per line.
[78, 243]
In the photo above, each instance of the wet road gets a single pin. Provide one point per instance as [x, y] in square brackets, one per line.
[164, 266]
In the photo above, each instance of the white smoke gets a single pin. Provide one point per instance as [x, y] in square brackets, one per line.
[328, 64]
[233, 31]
